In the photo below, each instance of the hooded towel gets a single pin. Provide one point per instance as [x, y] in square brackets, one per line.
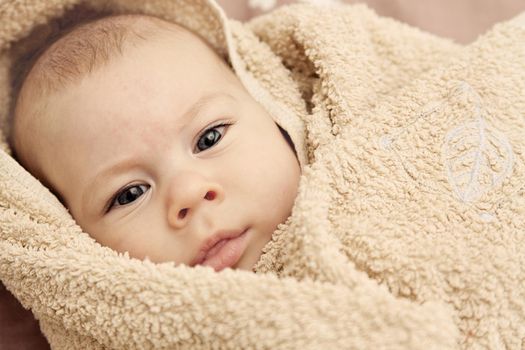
[408, 231]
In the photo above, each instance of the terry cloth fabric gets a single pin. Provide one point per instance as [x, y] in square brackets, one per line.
[408, 231]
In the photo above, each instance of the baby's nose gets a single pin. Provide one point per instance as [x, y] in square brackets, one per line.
[185, 199]
[210, 195]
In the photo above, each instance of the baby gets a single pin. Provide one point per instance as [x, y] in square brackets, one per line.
[153, 144]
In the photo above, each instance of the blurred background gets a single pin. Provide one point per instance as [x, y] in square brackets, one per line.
[460, 20]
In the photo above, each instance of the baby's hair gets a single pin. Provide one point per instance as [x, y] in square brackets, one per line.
[86, 47]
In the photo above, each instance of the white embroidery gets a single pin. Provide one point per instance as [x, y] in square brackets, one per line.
[385, 142]
[469, 152]
[475, 156]
[486, 217]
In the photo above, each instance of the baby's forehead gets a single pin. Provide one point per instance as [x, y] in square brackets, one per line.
[82, 50]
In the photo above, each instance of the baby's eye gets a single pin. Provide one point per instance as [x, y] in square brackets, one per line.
[210, 137]
[128, 195]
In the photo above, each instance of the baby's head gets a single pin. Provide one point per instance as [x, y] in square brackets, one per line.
[153, 144]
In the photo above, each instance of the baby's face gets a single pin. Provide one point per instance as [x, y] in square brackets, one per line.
[161, 149]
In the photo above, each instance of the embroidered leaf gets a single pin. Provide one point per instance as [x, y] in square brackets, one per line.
[477, 158]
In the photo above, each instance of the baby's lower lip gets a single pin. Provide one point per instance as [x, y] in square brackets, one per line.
[228, 254]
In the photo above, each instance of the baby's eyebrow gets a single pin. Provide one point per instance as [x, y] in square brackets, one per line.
[129, 163]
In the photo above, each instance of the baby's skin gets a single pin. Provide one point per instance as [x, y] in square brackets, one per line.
[161, 150]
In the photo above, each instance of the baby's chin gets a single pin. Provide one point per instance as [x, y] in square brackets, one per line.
[253, 253]
[247, 263]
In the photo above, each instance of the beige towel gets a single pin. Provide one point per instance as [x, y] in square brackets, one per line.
[409, 228]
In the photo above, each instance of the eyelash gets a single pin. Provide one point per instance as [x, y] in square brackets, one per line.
[111, 202]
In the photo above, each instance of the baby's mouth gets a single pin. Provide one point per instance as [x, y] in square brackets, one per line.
[223, 249]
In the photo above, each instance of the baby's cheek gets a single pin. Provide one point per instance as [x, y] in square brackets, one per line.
[150, 244]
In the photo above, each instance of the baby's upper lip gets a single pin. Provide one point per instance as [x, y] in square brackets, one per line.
[212, 241]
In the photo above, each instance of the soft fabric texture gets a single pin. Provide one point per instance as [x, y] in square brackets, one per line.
[409, 228]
